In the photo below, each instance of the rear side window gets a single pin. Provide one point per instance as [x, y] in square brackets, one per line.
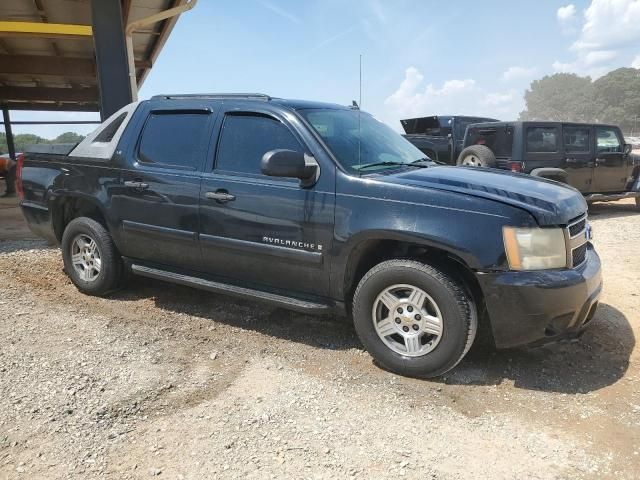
[244, 139]
[542, 139]
[174, 139]
[576, 140]
[608, 141]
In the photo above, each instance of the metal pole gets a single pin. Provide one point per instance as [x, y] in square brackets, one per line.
[111, 56]
[7, 129]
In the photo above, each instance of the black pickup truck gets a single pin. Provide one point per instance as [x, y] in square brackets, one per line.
[318, 208]
[440, 137]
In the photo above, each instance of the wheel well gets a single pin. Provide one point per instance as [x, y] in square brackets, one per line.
[372, 252]
[68, 208]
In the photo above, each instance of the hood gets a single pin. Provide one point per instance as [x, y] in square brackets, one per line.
[551, 203]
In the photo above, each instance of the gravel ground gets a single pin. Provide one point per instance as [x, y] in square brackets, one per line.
[161, 380]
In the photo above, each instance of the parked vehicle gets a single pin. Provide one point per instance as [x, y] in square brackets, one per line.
[321, 209]
[590, 157]
[440, 137]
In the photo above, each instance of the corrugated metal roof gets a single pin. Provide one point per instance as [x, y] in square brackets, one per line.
[31, 66]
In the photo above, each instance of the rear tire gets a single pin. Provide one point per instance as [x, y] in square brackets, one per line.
[413, 319]
[90, 257]
[477, 156]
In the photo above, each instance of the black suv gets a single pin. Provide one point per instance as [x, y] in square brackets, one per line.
[590, 157]
[440, 137]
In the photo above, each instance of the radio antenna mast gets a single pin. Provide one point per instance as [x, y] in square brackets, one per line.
[359, 115]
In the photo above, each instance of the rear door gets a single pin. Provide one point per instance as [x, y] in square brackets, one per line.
[157, 202]
[579, 156]
[260, 230]
[610, 173]
[542, 146]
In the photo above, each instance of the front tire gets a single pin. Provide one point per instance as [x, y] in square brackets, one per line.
[477, 156]
[413, 319]
[90, 257]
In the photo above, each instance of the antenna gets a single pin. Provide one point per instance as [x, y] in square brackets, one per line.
[360, 102]
[359, 116]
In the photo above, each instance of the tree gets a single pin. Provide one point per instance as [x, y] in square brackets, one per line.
[69, 137]
[613, 98]
[23, 140]
[617, 96]
[563, 97]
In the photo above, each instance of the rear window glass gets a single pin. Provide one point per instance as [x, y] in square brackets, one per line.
[576, 140]
[542, 139]
[174, 139]
[498, 139]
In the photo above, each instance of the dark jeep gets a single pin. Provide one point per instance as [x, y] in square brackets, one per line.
[592, 158]
[439, 137]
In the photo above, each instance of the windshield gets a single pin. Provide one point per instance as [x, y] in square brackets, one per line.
[360, 142]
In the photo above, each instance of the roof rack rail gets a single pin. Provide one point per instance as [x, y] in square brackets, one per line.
[246, 96]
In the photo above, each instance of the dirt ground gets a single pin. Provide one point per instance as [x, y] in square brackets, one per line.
[161, 380]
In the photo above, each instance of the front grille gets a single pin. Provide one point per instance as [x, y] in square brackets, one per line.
[577, 240]
[579, 255]
[576, 228]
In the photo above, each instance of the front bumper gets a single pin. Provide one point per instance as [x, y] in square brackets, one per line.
[542, 306]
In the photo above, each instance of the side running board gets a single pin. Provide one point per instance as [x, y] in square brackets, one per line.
[290, 303]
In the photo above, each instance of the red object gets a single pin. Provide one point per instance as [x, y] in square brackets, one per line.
[19, 189]
[481, 141]
[516, 166]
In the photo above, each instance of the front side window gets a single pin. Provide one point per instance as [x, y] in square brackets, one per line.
[576, 140]
[244, 140]
[608, 141]
[174, 139]
[542, 139]
[360, 142]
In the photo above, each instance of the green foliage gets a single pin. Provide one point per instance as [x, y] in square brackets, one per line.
[22, 140]
[613, 98]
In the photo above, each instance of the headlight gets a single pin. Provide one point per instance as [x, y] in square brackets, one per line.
[535, 248]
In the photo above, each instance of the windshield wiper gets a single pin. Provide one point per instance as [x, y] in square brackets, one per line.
[387, 163]
[421, 162]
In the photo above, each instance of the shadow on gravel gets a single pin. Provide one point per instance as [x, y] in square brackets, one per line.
[317, 331]
[598, 359]
[613, 210]
[10, 246]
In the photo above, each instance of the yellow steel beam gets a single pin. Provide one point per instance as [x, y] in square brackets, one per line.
[46, 30]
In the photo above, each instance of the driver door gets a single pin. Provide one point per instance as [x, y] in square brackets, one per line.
[610, 173]
[261, 230]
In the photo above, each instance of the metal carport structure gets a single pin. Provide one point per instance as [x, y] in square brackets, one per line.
[71, 55]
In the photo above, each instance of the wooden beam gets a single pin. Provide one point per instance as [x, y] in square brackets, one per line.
[52, 107]
[58, 66]
[48, 94]
[44, 65]
[45, 30]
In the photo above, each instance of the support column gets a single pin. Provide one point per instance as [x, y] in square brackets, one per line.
[11, 174]
[111, 56]
[7, 129]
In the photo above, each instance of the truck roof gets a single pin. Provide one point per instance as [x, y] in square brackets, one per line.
[253, 97]
[542, 123]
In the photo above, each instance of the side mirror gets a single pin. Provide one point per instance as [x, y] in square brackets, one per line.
[288, 163]
[627, 148]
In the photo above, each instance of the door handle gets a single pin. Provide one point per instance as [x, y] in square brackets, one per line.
[571, 160]
[137, 184]
[220, 196]
[600, 160]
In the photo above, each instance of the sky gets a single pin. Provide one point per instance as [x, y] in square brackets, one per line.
[419, 57]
